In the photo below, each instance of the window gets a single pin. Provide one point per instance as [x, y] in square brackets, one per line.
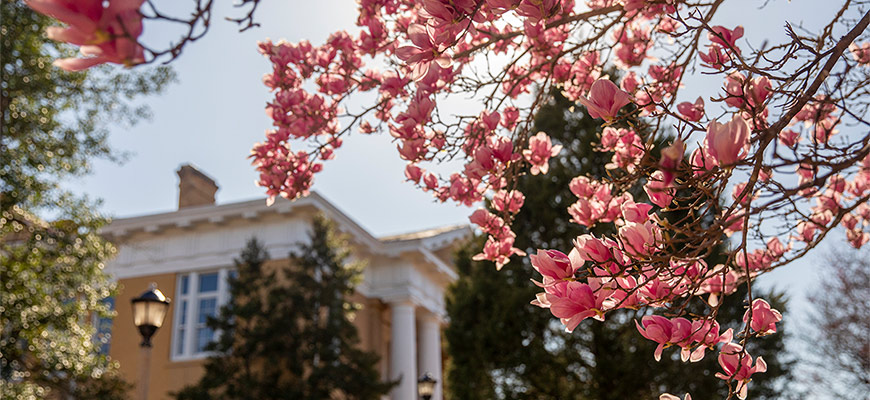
[199, 295]
[103, 328]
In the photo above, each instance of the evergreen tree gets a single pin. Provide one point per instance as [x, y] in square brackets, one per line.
[287, 333]
[54, 123]
[500, 346]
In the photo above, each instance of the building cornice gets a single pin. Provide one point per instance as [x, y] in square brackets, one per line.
[217, 215]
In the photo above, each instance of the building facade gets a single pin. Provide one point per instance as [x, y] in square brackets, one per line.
[189, 254]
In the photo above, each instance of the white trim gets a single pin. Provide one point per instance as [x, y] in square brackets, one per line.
[442, 267]
[219, 214]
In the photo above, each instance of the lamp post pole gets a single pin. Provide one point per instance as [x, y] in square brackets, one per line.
[145, 372]
[149, 310]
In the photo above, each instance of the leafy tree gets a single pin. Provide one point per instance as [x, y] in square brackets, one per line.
[53, 124]
[501, 346]
[840, 361]
[286, 333]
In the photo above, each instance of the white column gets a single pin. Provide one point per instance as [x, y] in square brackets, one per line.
[403, 351]
[430, 351]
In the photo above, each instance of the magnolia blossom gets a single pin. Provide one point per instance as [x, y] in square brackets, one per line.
[422, 52]
[764, 318]
[575, 301]
[508, 201]
[671, 158]
[705, 333]
[860, 52]
[726, 37]
[692, 111]
[554, 265]
[539, 152]
[639, 239]
[590, 248]
[658, 192]
[665, 332]
[605, 99]
[727, 143]
[737, 364]
[106, 30]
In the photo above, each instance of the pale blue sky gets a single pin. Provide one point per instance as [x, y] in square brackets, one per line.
[215, 113]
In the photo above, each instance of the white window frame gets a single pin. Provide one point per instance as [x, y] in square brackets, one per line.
[192, 324]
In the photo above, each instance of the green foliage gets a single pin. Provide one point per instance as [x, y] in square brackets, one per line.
[53, 124]
[500, 346]
[287, 332]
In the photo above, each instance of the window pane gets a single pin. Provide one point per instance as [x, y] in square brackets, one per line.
[208, 282]
[204, 336]
[184, 284]
[179, 340]
[104, 328]
[207, 307]
[183, 310]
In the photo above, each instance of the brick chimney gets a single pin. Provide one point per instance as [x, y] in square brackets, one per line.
[194, 187]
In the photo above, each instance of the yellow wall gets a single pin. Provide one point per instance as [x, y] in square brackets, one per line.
[168, 376]
[165, 376]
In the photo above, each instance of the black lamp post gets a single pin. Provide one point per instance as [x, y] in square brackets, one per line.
[149, 310]
[426, 386]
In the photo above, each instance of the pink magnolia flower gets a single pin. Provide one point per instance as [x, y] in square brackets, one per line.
[789, 137]
[554, 264]
[590, 248]
[658, 291]
[106, 31]
[775, 248]
[508, 201]
[487, 221]
[737, 364]
[636, 212]
[857, 238]
[706, 334]
[509, 117]
[430, 180]
[734, 85]
[605, 99]
[727, 143]
[498, 251]
[413, 172]
[665, 332]
[692, 111]
[639, 239]
[538, 10]
[758, 91]
[764, 318]
[539, 152]
[668, 396]
[726, 37]
[861, 52]
[659, 193]
[422, 52]
[715, 57]
[586, 212]
[670, 161]
[578, 303]
[701, 160]
[716, 284]
[582, 186]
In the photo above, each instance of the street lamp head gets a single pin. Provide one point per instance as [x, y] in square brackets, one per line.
[426, 386]
[149, 310]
